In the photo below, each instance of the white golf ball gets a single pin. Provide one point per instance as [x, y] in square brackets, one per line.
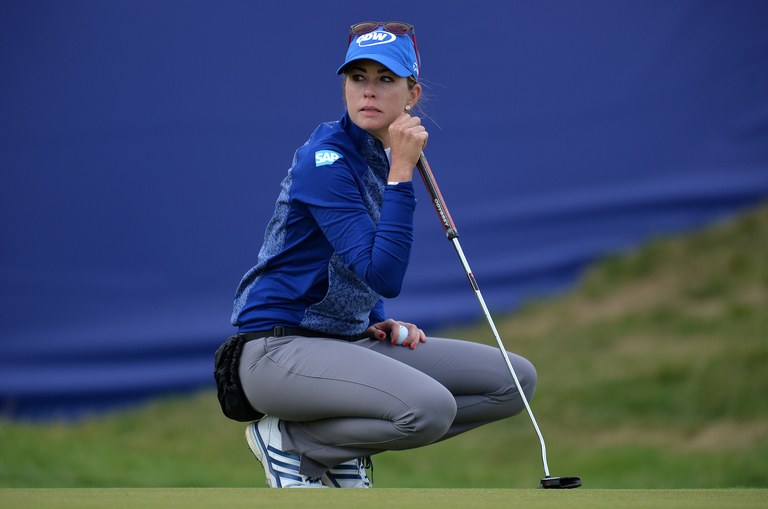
[402, 334]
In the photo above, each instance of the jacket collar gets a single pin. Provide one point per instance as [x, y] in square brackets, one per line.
[368, 146]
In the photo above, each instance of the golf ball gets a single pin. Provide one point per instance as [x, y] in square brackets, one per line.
[402, 335]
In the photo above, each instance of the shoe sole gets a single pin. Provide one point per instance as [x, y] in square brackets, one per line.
[259, 450]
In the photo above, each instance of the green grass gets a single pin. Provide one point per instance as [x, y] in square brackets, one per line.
[651, 375]
[234, 498]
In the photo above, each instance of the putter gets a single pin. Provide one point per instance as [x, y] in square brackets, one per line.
[548, 482]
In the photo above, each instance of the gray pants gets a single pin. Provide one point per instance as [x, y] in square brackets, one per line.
[340, 400]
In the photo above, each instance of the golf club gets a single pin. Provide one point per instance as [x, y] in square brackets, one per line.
[548, 482]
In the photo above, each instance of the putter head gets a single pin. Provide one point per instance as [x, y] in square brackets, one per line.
[560, 483]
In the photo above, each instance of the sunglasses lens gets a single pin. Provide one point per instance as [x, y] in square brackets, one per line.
[363, 28]
[398, 28]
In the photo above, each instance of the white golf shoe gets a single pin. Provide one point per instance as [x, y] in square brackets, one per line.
[350, 474]
[281, 468]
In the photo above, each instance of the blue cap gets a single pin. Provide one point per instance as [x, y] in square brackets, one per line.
[397, 53]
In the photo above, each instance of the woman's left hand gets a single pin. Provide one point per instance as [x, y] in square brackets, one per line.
[389, 328]
[407, 139]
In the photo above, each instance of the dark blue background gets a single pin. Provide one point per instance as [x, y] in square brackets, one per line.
[142, 144]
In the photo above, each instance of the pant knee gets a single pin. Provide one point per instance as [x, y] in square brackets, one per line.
[526, 375]
[428, 418]
[507, 394]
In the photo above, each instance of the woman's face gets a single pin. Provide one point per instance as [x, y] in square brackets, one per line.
[375, 97]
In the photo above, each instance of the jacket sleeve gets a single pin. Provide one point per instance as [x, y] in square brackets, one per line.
[378, 254]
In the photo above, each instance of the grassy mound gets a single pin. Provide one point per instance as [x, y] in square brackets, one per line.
[651, 375]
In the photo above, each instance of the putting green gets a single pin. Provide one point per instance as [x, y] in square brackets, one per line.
[233, 498]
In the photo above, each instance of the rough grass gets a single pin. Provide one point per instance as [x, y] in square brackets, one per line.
[651, 375]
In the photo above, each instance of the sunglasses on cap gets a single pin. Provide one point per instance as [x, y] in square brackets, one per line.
[393, 27]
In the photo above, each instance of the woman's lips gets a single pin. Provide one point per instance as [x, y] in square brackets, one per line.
[370, 110]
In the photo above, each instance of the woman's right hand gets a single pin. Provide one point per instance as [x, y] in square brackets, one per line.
[387, 328]
[407, 139]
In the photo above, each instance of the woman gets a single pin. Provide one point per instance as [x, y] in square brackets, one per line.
[336, 379]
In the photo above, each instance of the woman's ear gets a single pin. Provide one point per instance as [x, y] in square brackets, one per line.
[415, 95]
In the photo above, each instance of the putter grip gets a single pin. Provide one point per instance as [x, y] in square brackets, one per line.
[437, 198]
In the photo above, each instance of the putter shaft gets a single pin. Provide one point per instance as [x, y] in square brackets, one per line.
[453, 235]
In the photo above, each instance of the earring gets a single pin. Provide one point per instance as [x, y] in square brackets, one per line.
[407, 107]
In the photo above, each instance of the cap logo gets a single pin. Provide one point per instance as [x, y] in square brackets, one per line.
[375, 38]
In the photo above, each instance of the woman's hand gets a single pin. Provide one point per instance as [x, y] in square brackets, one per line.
[386, 329]
[407, 139]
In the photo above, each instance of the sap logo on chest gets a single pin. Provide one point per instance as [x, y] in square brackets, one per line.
[326, 157]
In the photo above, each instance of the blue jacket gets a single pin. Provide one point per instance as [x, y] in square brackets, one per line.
[339, 240]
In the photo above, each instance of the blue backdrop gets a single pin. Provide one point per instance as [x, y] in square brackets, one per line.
[142, 144]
